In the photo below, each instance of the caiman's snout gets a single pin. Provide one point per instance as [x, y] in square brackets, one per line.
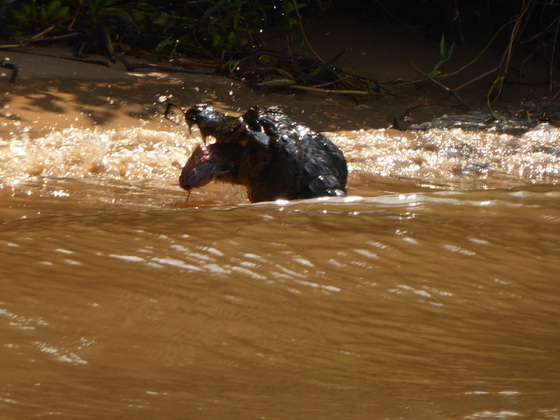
[196, 114]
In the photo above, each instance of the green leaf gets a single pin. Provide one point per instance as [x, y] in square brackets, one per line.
[60, 13]
[96, 6]
[217, 40]
[50, 8]
[16, 16]
[434, 74]
[445, 52]
[119, 15]
[137, 16]
[165, 43]
[442, 47]
[26, 9]
[161, 19]
[265, 60]
[43, 13]
[450, 53]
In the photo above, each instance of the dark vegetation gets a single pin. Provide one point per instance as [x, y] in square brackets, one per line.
[229, 36]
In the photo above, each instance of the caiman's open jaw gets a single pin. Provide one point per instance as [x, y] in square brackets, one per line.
[218, 160]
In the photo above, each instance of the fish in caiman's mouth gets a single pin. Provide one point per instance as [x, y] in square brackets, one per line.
[209, 162]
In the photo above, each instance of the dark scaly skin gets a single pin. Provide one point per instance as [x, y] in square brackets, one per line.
[275, 157]
[212, 123]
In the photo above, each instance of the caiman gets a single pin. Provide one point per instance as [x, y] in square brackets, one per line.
[273, 156]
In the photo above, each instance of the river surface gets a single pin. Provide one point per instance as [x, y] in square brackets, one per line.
[431, 292]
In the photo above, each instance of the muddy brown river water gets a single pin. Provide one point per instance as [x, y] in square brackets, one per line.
[431, 292]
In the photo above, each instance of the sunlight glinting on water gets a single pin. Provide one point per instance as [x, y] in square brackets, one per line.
[455, 156]
[132, 154]
[462, 159]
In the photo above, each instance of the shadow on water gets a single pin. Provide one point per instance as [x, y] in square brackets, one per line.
[125, 102]
[101, 96]
[101, 102]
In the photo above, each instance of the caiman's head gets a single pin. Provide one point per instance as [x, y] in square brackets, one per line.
[223, 159]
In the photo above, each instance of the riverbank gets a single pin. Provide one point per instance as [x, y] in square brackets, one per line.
[58, 93]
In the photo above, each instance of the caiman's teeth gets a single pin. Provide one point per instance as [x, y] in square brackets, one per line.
[204, 134]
